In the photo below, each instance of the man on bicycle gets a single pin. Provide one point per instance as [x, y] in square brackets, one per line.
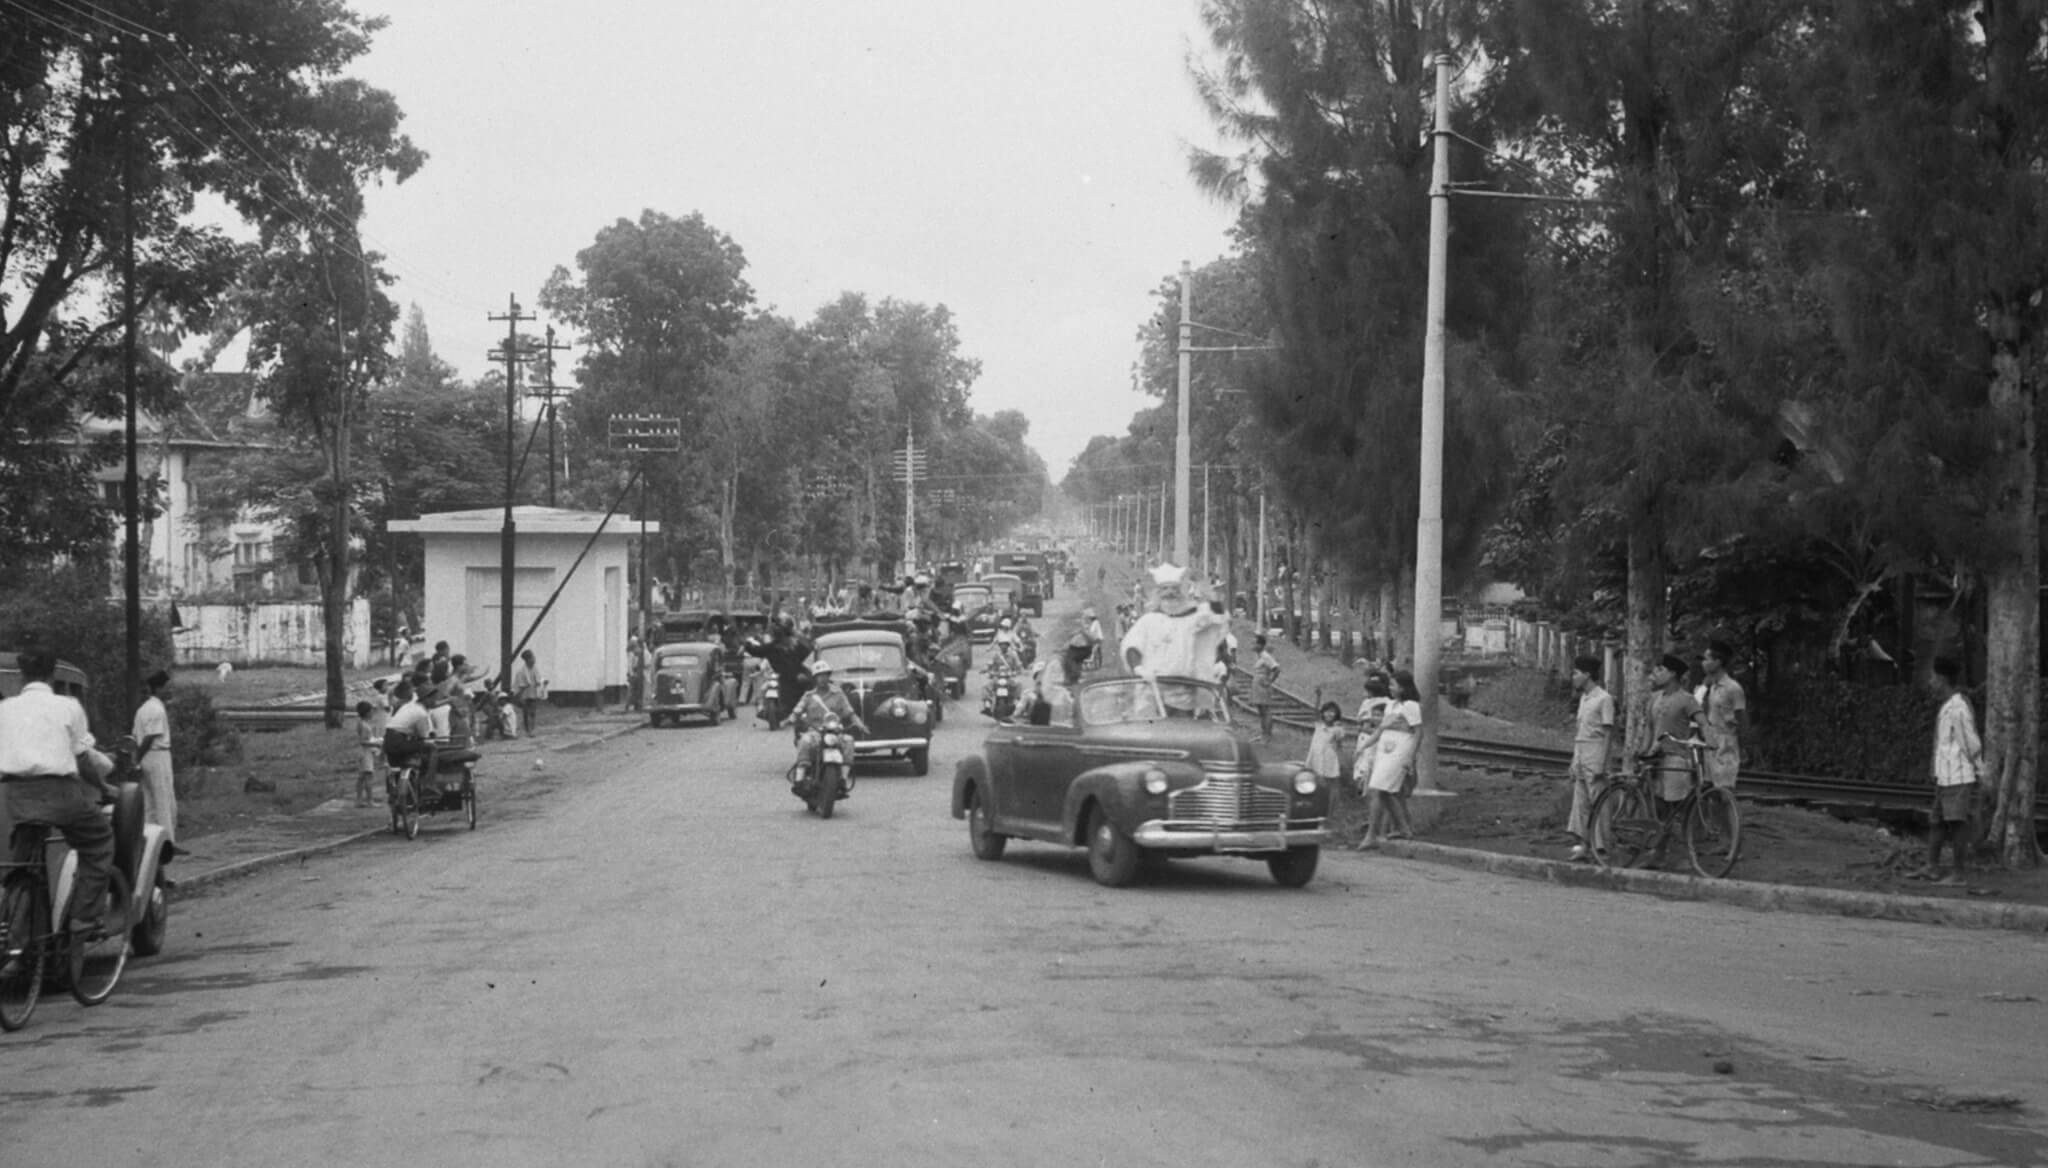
[409, 735]
[51, 773]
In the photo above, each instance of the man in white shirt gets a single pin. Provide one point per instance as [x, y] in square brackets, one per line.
[51, 773]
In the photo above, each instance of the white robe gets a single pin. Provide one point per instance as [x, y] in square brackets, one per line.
[1177, 646]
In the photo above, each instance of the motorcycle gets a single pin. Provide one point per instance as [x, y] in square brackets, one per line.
[825, 776]
[999, 693]
[771, 701]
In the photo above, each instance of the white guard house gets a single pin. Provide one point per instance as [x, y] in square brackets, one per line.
[581, 646]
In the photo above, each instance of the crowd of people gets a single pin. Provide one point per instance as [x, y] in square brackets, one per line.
[440, 700]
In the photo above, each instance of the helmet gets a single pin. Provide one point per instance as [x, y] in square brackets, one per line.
[1003, 623]
[820, 668]
[923, 578]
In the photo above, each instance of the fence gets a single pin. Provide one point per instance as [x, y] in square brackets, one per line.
[269, 634]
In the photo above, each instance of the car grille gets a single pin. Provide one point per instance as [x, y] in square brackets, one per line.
[1226, 800]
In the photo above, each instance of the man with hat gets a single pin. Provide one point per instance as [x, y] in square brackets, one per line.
[152, 733]
[1177, 637]
[824, 700]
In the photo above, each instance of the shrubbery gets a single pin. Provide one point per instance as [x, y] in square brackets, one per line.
[199, 735]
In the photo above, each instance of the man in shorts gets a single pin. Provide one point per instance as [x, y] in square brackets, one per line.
[1722, 714]
[1958, 771]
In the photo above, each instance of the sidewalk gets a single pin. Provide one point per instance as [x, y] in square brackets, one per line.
[337, 823]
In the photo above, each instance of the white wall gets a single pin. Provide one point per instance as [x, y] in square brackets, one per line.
[246, 634]
[575, 646]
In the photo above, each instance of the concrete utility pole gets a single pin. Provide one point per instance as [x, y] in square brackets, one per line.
[910, 467]
[1429, 517]
[131, 479]
[1181, 441]
[508, 536]
[1259, 589]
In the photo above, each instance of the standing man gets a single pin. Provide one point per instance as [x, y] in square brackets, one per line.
[636, 672]
[1723, 712]
[1591, 743]
[152, 732]
[1177, 638]
[788, 657]
[526, 690]
[1958, 770]
[1091, 628]
[1674, 713]
[50, 773]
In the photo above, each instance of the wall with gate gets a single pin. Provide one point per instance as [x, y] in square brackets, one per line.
[269, 634]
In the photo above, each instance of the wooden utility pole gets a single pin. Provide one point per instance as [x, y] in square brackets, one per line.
[545, 358]
[508, 535]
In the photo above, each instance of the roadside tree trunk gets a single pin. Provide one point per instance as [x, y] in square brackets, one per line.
[1647, 629]
[2012, 729]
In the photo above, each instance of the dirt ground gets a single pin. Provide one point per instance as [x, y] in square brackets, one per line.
[1524, 814]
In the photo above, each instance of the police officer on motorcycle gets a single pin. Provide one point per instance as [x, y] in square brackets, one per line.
[825, 700]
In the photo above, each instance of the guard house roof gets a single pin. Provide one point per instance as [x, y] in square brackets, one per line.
[528, 518]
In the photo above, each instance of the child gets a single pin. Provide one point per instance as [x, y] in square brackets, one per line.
[1326, 744]
[1958, 769]
[370, 747]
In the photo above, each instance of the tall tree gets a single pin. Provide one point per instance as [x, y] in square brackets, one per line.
[1935, 118]
[135, 109]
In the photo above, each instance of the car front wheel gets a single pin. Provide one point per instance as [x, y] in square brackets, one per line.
[1112, 856]
[1294, 867]
[981, 834]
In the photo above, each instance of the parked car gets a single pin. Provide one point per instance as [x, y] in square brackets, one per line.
[871, 661]
[70, 678]
[689, 682]
[1133, 769]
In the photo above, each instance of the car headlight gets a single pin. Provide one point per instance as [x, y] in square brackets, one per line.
[1155, 782]
[898, 708]
[1305, 782]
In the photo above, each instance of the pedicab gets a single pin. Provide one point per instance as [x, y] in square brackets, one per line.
[450, 789]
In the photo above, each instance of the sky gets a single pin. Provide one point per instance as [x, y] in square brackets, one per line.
[1024, 165]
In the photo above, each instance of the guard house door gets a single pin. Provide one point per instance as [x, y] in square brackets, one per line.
[530, 589]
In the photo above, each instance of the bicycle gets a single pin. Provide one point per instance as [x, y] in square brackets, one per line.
[32, 952]
[1626, 826]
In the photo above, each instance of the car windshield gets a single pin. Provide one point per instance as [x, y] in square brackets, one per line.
[969, 599]
[1135, 699]
[864, 658]
[678, 661]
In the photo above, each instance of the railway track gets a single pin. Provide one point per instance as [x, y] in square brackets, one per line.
[269, 717]
[1290, 709]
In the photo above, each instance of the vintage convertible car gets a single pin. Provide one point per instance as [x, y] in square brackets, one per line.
[896, 698]
[1132, 768]
[688, 682]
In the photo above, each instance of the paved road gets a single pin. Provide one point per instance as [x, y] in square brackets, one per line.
[656, 957]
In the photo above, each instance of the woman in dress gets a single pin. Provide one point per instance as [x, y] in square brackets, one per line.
[1393, 752]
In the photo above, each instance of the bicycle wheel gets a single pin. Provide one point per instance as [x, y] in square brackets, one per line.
[96, 966]
[1713, 831]
[24, 935]
[1624, 826]
[409, 806]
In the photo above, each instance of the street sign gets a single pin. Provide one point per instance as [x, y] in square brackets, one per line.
[646, 433]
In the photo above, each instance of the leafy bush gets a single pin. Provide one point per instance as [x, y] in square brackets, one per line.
[1863, 733]
[199, 735]
[68, 610]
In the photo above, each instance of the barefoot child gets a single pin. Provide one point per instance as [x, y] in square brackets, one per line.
[1325, 745]
[370, 748]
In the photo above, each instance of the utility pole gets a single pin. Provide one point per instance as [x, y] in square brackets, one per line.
[131, 479]
[1208, 568]
[910, 467]
[645, 434]
[1259, 587]
[1429, 516]
[545, 358]
[1181, 442]
[508, 536]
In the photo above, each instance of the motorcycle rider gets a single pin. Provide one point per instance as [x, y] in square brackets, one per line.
[1005, 644]
[1091, 628]
[786, 655]
[51, 773]
[825, 700]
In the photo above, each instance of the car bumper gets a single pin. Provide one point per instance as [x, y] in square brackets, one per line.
[1158, 833]
[868, 746]
[687, 710]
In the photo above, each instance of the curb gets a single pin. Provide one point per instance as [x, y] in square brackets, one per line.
[1926, 910]
[240, 868]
